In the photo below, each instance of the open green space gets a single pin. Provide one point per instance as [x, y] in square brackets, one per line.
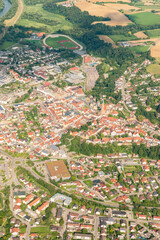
[89, 183]
[1, 200]
[23, 229]
[40, 230]
[118, 38]
[145, 18]
[35, 16]
[140, 49]
[6, 45]
[154, 69]
[38, 43]
[153, 33]
[54, 42]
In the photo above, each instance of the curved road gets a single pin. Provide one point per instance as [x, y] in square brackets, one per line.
[16, 17]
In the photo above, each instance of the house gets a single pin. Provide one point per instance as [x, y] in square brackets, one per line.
[119, 214]
[59, 214]
[28, 199]
[86, 236]
[34, 202]
[42, 207]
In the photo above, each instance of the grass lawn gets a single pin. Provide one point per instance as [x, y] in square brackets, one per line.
[1, 200]
[119, 38]
[154, 69]
[35, 17]
[140, 49]
[145, 18]
[153, 33]
[6, 45]
[38, 43]
[23, 229]
[40, 230]
[89, 183]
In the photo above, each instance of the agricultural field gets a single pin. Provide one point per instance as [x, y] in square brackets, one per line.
[140, 49]
[145, 18]
[154, 69]
[107, 39]
[153, 33]
[155, 50]
[141, 35]
[117, 18]
[119, 38]
[61, 43]
[35, 17]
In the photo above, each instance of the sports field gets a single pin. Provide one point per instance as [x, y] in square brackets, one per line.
[61, 43]
[145, 18]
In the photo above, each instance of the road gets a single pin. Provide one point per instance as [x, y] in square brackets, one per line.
[16, 17]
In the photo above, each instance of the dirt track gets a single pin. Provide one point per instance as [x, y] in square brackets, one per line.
[13, 21]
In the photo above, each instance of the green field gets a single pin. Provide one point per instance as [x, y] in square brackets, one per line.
[54, 42]
[38, 43]
[153, 33]
[154, 69]
[1, 200]
[35, 17]
[145, 18]
[89, 183]
[119, 38]
[40, 230]
[6, 45]
[140, 49]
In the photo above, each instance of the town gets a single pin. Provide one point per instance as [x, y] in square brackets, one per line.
[72, 167]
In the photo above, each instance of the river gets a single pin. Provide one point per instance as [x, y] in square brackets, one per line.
[7, 6]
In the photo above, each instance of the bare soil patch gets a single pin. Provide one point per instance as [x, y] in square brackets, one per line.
[155, 50]
[141, 35]
[107, 40]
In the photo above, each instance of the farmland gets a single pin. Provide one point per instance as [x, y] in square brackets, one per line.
[141, 35]
[153, 33]
[140, 49]
[117, 18]
[118, 38]
[145, 18]
[35, 17]
[107, 40]
[154, 69]
[155, 50]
